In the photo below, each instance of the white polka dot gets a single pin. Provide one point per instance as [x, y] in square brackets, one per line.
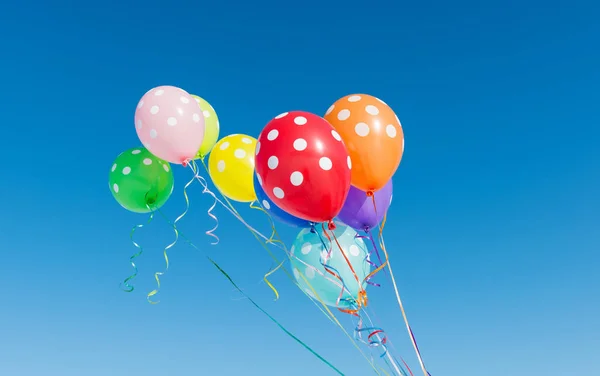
[296, 274]
[221, 166]
[310, 272]
[278, 192]
[136, 151]
[300, 144]
[336, 135]
[390, 130]
[296, 178]
[206, 114]
[141, 104]
[138, 123]
[153, 133]
[172, 121]
[196, 118]
[266, 204]
[349, 160]
[239, 153]
[273, 162]
[281, 115]
[154, 110]
[325, 163]
[224, 145]
[257, 148]
[126, 170]
[292, 250]
[272, 134]
[147, 161]
[354, 250]
[166, 167]
[362, 129]
[300, 120]
[372, 110]
[114, 167]
[343, 114]
[354, 98]
[259, 179]
[116, 188]
[306, 248]
[246, 140]
[184, 100]
[197, 99]
[330, 109]
[159, 92]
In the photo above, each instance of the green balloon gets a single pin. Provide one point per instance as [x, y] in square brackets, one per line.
[139, 181]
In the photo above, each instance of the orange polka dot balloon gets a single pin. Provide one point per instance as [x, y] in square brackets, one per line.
[373, 136]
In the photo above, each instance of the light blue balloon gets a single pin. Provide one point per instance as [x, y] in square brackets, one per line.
[308, 253]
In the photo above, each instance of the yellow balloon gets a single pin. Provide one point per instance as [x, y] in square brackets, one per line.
[211, 127]
[231, 167]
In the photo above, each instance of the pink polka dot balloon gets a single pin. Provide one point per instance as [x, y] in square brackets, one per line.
[170, 124]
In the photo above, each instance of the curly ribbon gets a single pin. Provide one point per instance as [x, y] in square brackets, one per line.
[125, 286]
[367, 258]
[222, 271]
[165, 250]
[279, 244]
[270, 241]
[362, 300]
[209, 212]
[374, 333]
[255, 233]
[399, 300]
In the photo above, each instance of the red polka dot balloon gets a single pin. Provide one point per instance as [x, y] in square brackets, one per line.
[303, 166]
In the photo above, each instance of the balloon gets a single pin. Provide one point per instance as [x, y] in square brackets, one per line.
[139, 181]
[274, 210]
[359, 212]
[303, 166]
[373, 135]
[308, 253]
[231, 167]
[170, 124]
[211, 127]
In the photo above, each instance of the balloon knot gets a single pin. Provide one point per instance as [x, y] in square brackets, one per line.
[312, 228]
[369, 193]
[184, 163]
[331, 226]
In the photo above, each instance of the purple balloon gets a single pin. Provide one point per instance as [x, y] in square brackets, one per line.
[358, 211]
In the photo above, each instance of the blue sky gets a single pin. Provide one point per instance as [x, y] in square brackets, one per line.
[493, 232]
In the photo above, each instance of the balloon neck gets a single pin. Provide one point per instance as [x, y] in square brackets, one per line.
[185, 162]
[370, 193]
[312, 228]
[331, 226]
[151, 198]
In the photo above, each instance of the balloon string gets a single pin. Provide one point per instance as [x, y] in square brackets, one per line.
[367, 259]
[125, 286]
[271, 240]
[209, 212]
[381, 266]
[362, 300]
[165, 251]
[399, 300]
[356, 312]
[230, 208]
[222, 271]
[325, 310]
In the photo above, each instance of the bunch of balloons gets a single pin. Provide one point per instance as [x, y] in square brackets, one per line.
[304, 169]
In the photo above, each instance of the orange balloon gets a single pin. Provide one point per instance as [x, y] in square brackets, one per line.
[373, 136]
